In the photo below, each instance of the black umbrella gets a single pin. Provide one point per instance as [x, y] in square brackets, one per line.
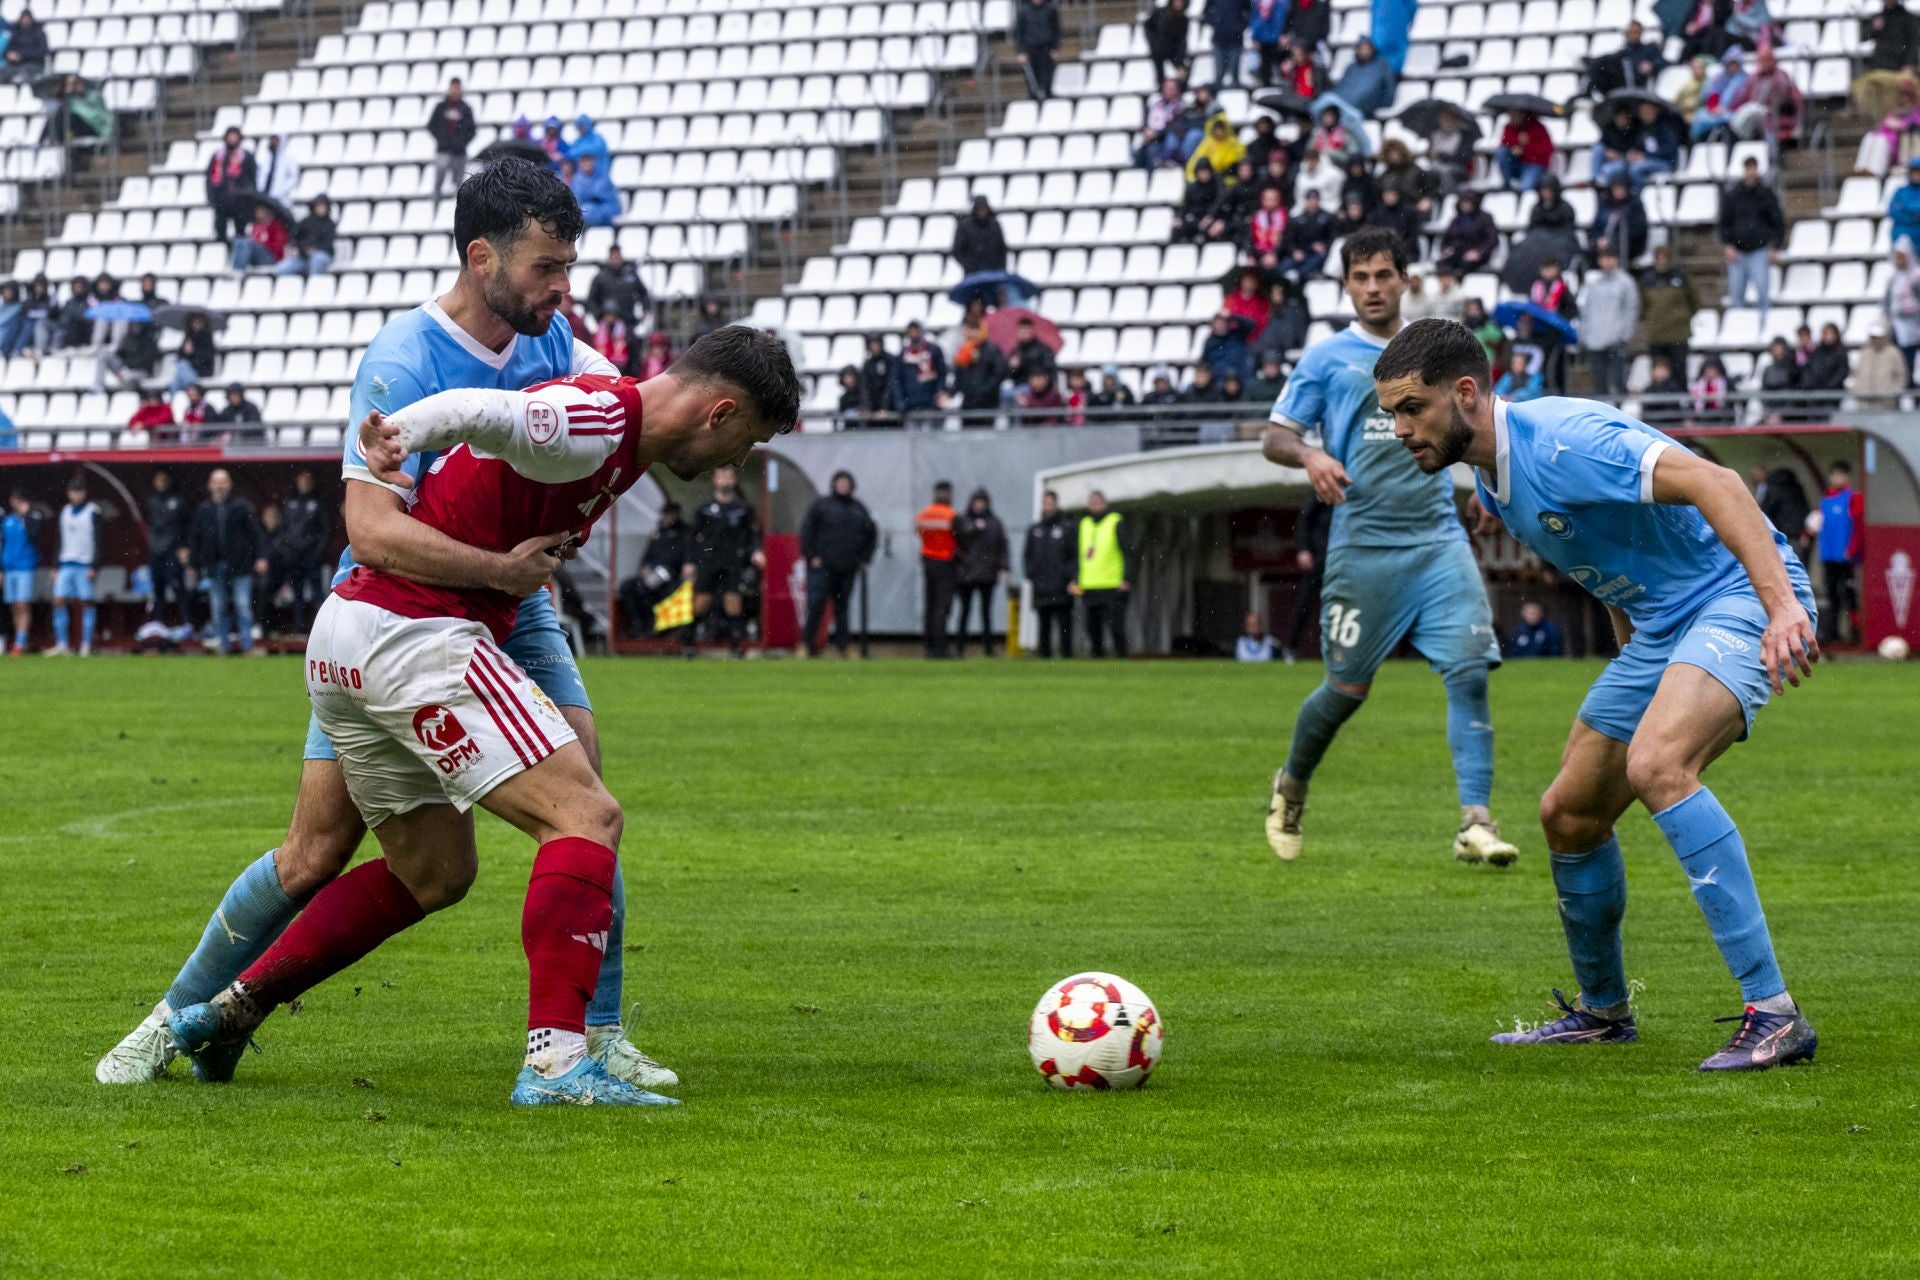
[1532, 103]
[1285, 103]
[1631, 99]
[176, 316]
[1524, 258]
[515, 148]
[1426, 116]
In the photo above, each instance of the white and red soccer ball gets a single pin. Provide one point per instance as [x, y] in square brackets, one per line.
[1095, 1031]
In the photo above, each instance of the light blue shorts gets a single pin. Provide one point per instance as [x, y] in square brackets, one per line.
[538, 645]
[70, 582]
[1723, 640]
[1375, 597]
[19, 586]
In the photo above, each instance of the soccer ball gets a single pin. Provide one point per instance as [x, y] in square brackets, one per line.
[1095, 1031]
[1894, 649]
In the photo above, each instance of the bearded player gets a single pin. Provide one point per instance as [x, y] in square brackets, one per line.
[1398, 562]
[1712, 610]
[515, 224]
[430, 717]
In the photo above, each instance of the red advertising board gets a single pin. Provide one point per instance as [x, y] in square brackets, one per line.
[1888, 576]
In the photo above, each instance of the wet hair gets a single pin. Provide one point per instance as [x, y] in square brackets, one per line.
[496, 203]
[1372, 242]
[1438, 352]
[752, 361]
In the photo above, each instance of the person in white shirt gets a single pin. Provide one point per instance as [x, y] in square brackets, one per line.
[79, 556]
[1254, 644]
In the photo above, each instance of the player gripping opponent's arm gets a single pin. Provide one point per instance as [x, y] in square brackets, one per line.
[1787, 647]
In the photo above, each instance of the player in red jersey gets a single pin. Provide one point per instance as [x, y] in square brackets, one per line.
[430, 718]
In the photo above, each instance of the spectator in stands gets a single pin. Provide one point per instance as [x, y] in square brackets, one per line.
[1882, 143]
[1198, 218]
[1111, 393]
[713, 315]
[1266, 231]
[1753, 229]
[981, 564]
[1203, 385]
[980, 375]
[1160, 390]
[194, 412]
[279, 173]
[1221, 148]
[1351, 217]
[1249, 301]
[25, 59]
[1267, 27]
[1751, 25]
[593, 188]
[1802, 344]
[198, 355]
[1079, 392]
[1634, 65]
[1709, 392]
[617, 287]
[1619, 134]
[837, 540]
[1544, 351]
[1331, 140]
[1401, 173]
[588, 141]
[451, 126]
[72, 326]
[264, 244]
[1224, 350]
[152, 413]
[1400, 218]
[659, 356]
[1518, 382]
[1299, 73]
[613, 338]
[553, 143]
[231, 186]
[1610, 313]
[1450, 153]
[1471, 239]
[132, 360]
[849, 395]
[1309, 23]
[105, 292]
[1718, 97]
[1669, 303]
[1036, 37]
[224, 554]
[1317, 175]
[1162, 139]
[14, 330]
[1769, 104]
[1525, 153]
[1492, 336]
[1166, 30]
[1842, 523]
[1664, 403]
[1254, 644]
[1902, 303]
[1881, 375]
[920, 373]
[1619, 220]
[1368, 82]
[313, 241]
[1442, 298]
[1039, 400]
[1278, 174]
[1268, 380]
[1287, 321]
[1228, 19]
[78, 112]
[1535, 636]
[1242, 198]
[667, 551]
[879, 383]
[1309, 237]
[1662, 139]
[1824, 376]
[238, 411]
[38, 313]
[978, 242]
[1904, 208]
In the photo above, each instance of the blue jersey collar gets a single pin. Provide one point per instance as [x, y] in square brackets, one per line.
[1502, 477]
[468, 343]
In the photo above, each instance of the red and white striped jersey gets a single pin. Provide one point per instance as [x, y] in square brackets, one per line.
[560, 427]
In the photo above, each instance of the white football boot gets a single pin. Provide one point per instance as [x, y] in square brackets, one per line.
[624, 1061]
[1481, 842]
[143, 1056]
[1284, 811]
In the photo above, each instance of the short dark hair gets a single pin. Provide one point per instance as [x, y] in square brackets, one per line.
[1840, 464]
[1438, 352]
[943, 486]
[1371, 242]
[752, 361]
[497, 202]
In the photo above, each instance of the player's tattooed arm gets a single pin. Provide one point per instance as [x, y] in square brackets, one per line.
[1787, 647]
[1285, 447]
[385, 537]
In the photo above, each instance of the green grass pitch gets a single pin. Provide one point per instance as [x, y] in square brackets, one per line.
[847, 886]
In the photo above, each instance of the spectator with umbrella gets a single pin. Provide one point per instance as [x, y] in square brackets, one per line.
[1525, 153]
[137, 353]
[1619, 134]
[265, 242]
[978, 243]
[1029, 341]
[77, 112]
[231, 186]
[1166, 30]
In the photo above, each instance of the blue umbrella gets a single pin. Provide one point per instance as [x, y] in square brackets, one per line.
[987, 284]
[1349, 116]
[1508, 312]
[117, 310]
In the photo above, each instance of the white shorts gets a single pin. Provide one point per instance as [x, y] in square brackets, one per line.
[423, 710]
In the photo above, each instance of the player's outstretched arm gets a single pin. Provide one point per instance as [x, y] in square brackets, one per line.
[385, 537]
[1787, 648]
[559, 432]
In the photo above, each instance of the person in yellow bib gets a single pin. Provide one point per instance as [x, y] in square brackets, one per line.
[1106, 574]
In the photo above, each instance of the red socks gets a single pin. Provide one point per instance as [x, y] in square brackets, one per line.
[343, 922]
[564, 930]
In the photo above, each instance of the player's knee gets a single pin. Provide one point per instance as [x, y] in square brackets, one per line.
[310, 857]
[1351, 690]
[1568, 825]
[1659, 775]
[601, 819]
[1469, 678]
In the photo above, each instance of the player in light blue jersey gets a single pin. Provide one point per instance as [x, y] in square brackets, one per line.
[1713, 611]
[1398, 561]
[498, 327]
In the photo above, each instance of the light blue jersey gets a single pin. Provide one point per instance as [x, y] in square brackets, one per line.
[413, 357]
[1574, 482]
[1390, 502]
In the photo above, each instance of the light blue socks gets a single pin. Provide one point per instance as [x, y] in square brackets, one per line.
[1320, 718]
[604, 1009]
[1593, 897]
[244, 925]
[1715, 860]
[1470, 733]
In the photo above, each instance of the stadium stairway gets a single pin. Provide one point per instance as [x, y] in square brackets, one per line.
[268, 42]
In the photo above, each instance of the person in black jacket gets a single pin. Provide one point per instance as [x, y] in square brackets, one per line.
[26, 55]
[981, 559]
[306, 529]
[659, 577]
[1310, 532]
[1036, 34]
[1030, 354]
[233, 181]
[452, 127]
[1753, 229]
[1198, 219]
[1894, 34]
[72, 327]
[617, 287]
[878, 384]
[726, 562]
[198, 357]
[310, 252]
[978, 244]
[238, 410]
[1229, 19]
[837, 539]
[1166, 30]
[1051, 564]
[167, 513]
[980, 372]
[223, 555]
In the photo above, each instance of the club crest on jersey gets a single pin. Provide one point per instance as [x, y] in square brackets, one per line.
[1557, 524]
[543, 422]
